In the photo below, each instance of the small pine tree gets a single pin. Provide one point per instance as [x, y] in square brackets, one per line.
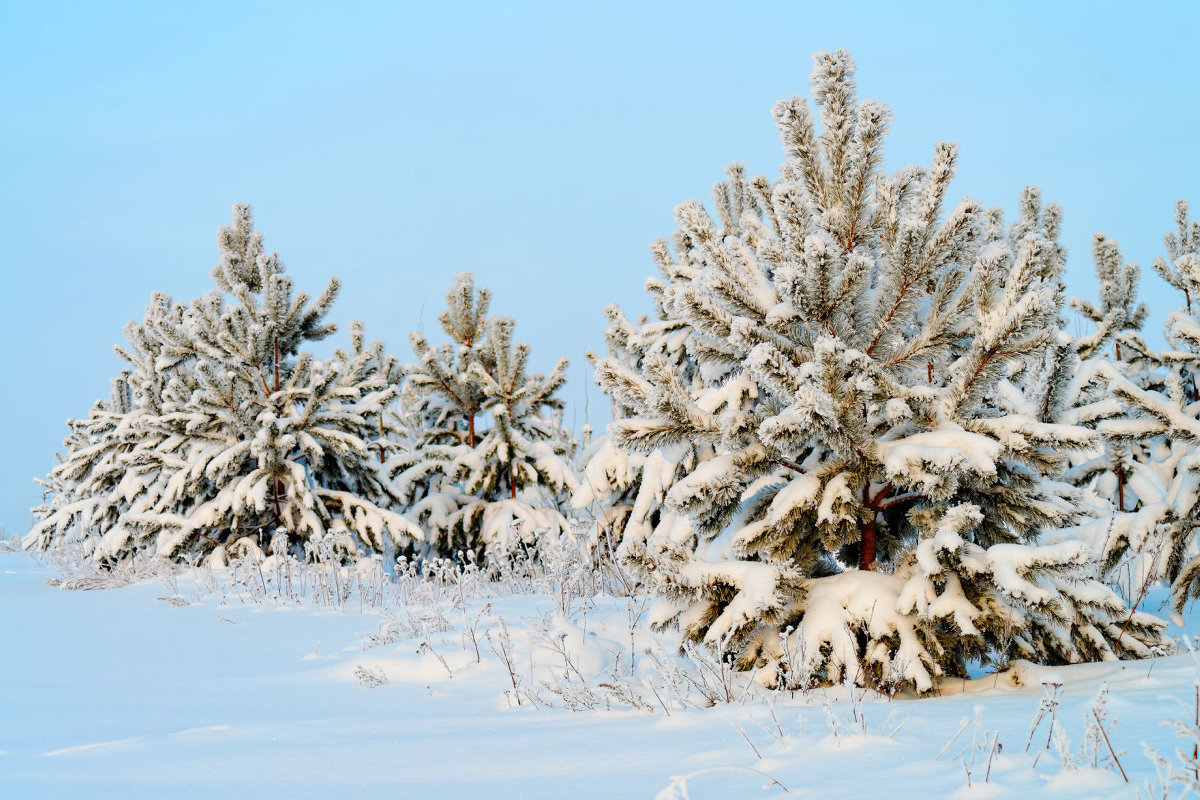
[445, 376]
[870, 383]
[495, 488]
[441, 401]
[1161, 417]
[622, 493]
[241, 433]
[1114, 347]
[1119, 317]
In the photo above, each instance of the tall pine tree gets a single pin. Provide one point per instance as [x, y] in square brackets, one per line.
[876, 495]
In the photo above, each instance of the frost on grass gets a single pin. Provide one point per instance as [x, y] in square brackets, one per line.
[370, 677]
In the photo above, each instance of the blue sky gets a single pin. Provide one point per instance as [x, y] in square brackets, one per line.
[541, 146]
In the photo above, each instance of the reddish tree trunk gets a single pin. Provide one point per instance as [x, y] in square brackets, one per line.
[1120, 490]
[866, 556]
[471, 429]
[866, 552]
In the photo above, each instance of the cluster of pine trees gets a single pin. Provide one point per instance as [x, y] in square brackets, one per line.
[223, 431]
[856, 440]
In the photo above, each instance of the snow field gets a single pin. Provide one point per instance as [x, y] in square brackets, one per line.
[171, 687]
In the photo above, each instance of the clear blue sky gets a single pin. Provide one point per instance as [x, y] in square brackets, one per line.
[542, 146]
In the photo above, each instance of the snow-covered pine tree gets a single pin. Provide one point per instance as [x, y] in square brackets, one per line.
[1119, 317]
[83, 501]
[1162, 418]
[521, 470]
[440, 404]
[1181, 269]
[420, 468]
[873, 507]
[1114, 347]
[111, 466]
[471, 488]
[244, 433]
[623, 493]
[445, 376]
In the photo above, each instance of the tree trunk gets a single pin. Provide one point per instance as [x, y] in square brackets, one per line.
[1120, 489]
[866, 555]
[471, 429]
[276, 494]
[866, 551]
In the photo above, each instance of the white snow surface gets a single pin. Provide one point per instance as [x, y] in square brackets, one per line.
[143, 691]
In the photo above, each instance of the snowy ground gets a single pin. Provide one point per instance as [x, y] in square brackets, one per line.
[151, 690]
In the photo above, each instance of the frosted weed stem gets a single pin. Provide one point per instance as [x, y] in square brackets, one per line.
[1110, 747]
